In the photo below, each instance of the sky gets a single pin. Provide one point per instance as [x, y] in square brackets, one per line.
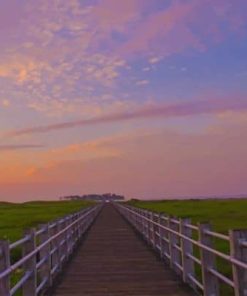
[146, 98]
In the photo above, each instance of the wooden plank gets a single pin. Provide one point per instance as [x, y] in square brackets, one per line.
[114, 260]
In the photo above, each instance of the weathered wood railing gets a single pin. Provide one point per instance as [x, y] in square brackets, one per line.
[176, 239]
[44, 252]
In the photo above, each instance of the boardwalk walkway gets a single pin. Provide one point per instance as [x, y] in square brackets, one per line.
[114, 261]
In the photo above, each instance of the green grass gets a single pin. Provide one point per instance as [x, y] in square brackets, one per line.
[222, 214]
[15, 218]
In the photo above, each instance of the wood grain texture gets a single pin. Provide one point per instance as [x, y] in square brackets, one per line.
[114, 260]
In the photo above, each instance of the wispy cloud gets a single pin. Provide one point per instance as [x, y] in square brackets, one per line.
[142, 82]
[20, 147]
[212, 106]
[171, 31]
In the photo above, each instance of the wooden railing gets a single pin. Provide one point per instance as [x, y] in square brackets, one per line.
[176, 240]
[44, 252]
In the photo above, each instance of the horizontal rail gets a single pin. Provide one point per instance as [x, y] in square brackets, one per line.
[196, 282]
[217, 235]
[221, 277]
[20, 283]
[45, 250]
[195, 259]
[198, 244]
[39, 248]
[173, 239]
[19, 242]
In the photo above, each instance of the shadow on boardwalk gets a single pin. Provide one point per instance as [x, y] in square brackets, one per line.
[113, 260]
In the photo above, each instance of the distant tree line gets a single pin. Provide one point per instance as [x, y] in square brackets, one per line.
[95, 197]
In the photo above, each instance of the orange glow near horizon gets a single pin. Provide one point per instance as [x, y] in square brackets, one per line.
[142, 98]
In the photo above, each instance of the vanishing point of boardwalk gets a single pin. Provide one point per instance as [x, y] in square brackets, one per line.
[113, 260]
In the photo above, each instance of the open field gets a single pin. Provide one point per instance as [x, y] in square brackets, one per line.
[14, 218]
[222, 214]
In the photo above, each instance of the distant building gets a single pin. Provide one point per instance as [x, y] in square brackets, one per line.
[107, 197]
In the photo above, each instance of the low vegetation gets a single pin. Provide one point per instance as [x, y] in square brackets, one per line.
[222, 214]
[15, 218]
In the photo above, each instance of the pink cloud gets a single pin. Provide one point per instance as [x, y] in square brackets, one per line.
[19, 147]
[10, 14]
[172, 164]
[116, 14]
[185, 25]
[200, 107]
[162, 26]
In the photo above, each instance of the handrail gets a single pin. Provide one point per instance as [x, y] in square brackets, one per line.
[173, 239]
[45, 251]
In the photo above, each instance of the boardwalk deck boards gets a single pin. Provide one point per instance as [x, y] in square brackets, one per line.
[113, 260]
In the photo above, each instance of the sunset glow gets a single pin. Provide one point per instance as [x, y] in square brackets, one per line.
[146, 98]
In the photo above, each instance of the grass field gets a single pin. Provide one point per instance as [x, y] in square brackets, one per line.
[222, 214]
[14, 218]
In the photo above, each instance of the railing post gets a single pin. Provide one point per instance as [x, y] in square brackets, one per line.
[208, 260]
[45, 252]
[138, 220]
[238, 251]
[161, 234]
[152, 229]
[78, 226]
[66, 235]
[187, 248]
[143, 222]
[166, 238]
[4, 264]
[54, 250]
[173, 241]
[83, 224]
[63, 242]
[134, 218]
[75, 230]
[156, 231]
[58, 241]
[80, 232]
[29, 287]
[149, 227]
[70, 235]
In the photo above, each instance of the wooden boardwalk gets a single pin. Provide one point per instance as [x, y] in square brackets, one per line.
[113, 260]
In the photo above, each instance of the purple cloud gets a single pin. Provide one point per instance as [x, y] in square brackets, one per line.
[19, 147]
[199, 107]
